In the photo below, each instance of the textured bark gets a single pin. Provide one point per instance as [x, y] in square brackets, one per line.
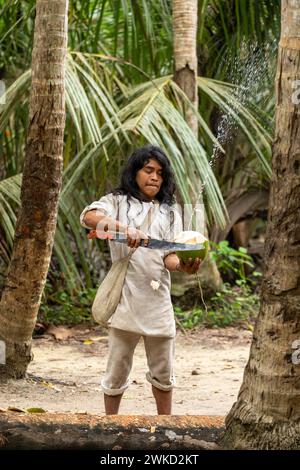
[267, 412]
[185, 15]
[41, 184]
[81, 432]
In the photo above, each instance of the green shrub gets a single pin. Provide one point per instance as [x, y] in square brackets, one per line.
[231, 261]
[236, 305]
[59, 307]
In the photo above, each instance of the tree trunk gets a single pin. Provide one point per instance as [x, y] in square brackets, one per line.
[41, 185]
[185, 18]
[267, 412]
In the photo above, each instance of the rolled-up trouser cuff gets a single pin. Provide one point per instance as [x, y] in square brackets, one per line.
[157, 384]
[114, 391]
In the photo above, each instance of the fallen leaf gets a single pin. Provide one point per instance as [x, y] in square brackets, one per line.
[35, 410]
[88, 341]
[14, 408]
[3, 440]
[60, 333]
[99, 338]
[39, 328]
[50, 385]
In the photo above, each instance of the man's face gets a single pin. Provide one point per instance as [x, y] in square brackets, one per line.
[149, 179]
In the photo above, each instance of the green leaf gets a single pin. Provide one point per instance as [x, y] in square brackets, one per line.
[35, 410]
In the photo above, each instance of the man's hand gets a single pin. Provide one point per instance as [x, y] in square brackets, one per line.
[191, 266]
[173, 263]
[134, 237]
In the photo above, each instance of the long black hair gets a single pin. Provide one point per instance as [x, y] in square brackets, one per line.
[136, 162]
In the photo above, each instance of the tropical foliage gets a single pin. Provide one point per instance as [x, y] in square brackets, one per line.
[120, 94]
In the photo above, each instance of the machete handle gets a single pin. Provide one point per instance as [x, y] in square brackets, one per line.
[93, 234]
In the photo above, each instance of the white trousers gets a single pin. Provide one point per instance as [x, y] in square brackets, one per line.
[160, 356]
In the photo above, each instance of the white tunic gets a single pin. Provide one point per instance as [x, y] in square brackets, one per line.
[142, 309]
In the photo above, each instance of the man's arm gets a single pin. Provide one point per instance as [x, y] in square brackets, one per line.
[93, 217]
[102, 223]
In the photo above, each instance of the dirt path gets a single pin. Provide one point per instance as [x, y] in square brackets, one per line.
[64, 375]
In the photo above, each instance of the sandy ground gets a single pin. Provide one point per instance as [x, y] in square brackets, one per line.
[64, 375]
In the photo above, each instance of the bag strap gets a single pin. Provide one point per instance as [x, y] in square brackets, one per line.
[145, 225]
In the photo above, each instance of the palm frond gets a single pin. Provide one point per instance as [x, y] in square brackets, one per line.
[226, 100]
[110, 118]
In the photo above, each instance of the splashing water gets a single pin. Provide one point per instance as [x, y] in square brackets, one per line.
[249, 73]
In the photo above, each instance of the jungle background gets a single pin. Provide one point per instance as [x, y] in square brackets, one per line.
[120, 95]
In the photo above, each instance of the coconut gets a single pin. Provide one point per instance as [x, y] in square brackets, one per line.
[192, 238]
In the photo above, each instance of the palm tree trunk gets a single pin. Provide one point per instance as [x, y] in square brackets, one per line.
[185, 16]
[185, 19]
[267, 412]
[41, 185]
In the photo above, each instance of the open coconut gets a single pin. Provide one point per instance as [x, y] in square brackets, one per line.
[192, 238]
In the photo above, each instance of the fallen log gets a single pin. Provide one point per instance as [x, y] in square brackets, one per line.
[53, 431]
